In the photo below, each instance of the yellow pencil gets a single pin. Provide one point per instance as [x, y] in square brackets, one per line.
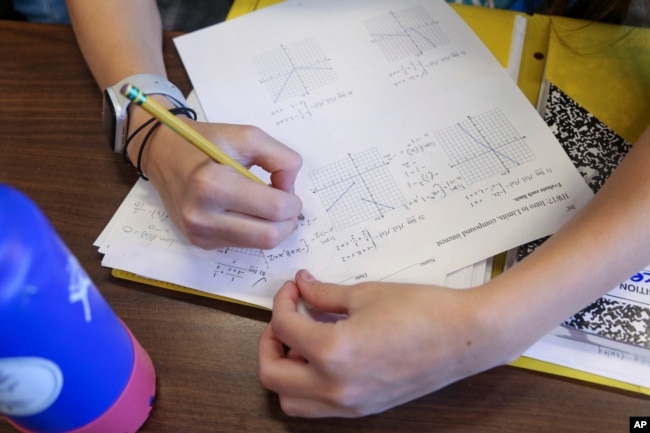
[185, 131]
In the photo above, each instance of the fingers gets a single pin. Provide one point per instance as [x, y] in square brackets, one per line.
[330, 298]
[229, 209]
[230, 190]
[311, 340]
[319, 375]
[223, 186]
[212, 204]
[294, 329]
[278, 372]
[290, 377]
[301, 387]
[252, 146]
[236, 230]
[291, 372]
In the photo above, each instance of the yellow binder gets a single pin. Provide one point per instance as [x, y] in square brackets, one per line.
[614, 84]
[614, 70]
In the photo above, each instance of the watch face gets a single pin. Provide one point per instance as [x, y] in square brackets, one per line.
[113, 120]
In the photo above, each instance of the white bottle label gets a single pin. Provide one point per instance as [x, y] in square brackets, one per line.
[28, 385]
[79, 286]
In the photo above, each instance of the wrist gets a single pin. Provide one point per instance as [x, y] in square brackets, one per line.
[514, 316]
[137, 118]
[492, 340]
[116, 106]
[141, 135]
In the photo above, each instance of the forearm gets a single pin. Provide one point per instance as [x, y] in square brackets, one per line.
[605, 243]
[118, 38]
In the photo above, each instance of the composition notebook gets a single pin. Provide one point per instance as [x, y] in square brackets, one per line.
[595, 117]
[610, 337]
[497, 31]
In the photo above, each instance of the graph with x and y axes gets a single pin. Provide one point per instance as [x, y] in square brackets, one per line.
[294, 70]
[405, 33]
[484, 145]
[356, 189]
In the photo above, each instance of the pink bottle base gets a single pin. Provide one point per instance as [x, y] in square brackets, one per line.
[132, 408]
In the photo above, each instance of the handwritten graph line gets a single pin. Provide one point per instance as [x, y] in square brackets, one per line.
[294, 70]
[378, 204]
[356, 189]
[407, 33]
[484, 145]
[340, 196]
[366, 187]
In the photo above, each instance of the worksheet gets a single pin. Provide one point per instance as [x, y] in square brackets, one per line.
[420, 154]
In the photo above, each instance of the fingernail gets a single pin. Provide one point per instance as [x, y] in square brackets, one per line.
[305, 275]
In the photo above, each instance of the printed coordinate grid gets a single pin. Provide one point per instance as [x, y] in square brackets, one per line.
[356, 189]
[407, 33]
[294, 70]
[484, 145]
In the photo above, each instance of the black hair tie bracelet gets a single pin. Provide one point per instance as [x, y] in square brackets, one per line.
[188, 112]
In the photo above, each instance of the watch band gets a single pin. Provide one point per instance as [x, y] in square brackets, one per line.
[149, 84]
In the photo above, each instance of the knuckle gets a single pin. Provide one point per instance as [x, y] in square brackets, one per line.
[289, 407]
[334, 355]
[337, 359]
[200, 242]
[269, 238]
[192, 211]
[253, 133]
[277, 208]
[204, 188]
[191, 221]
[295, 160]
[347, 399]
[190, 224]
[264, 376]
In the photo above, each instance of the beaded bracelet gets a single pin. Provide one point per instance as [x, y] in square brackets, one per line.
[188, 112]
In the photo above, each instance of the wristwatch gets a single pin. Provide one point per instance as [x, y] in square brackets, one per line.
[115, 112]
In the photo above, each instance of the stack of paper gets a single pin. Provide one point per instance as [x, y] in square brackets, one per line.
[421, 155]
[422, 160]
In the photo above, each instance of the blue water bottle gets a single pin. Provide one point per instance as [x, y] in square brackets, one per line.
[67, 362]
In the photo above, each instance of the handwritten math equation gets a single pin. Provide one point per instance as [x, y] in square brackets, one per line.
[418, 69]
[426, 178]
[301, 110]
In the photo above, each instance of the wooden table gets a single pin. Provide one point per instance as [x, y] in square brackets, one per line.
[205, 351]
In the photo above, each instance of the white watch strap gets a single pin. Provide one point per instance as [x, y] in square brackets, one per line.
[151, 84]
